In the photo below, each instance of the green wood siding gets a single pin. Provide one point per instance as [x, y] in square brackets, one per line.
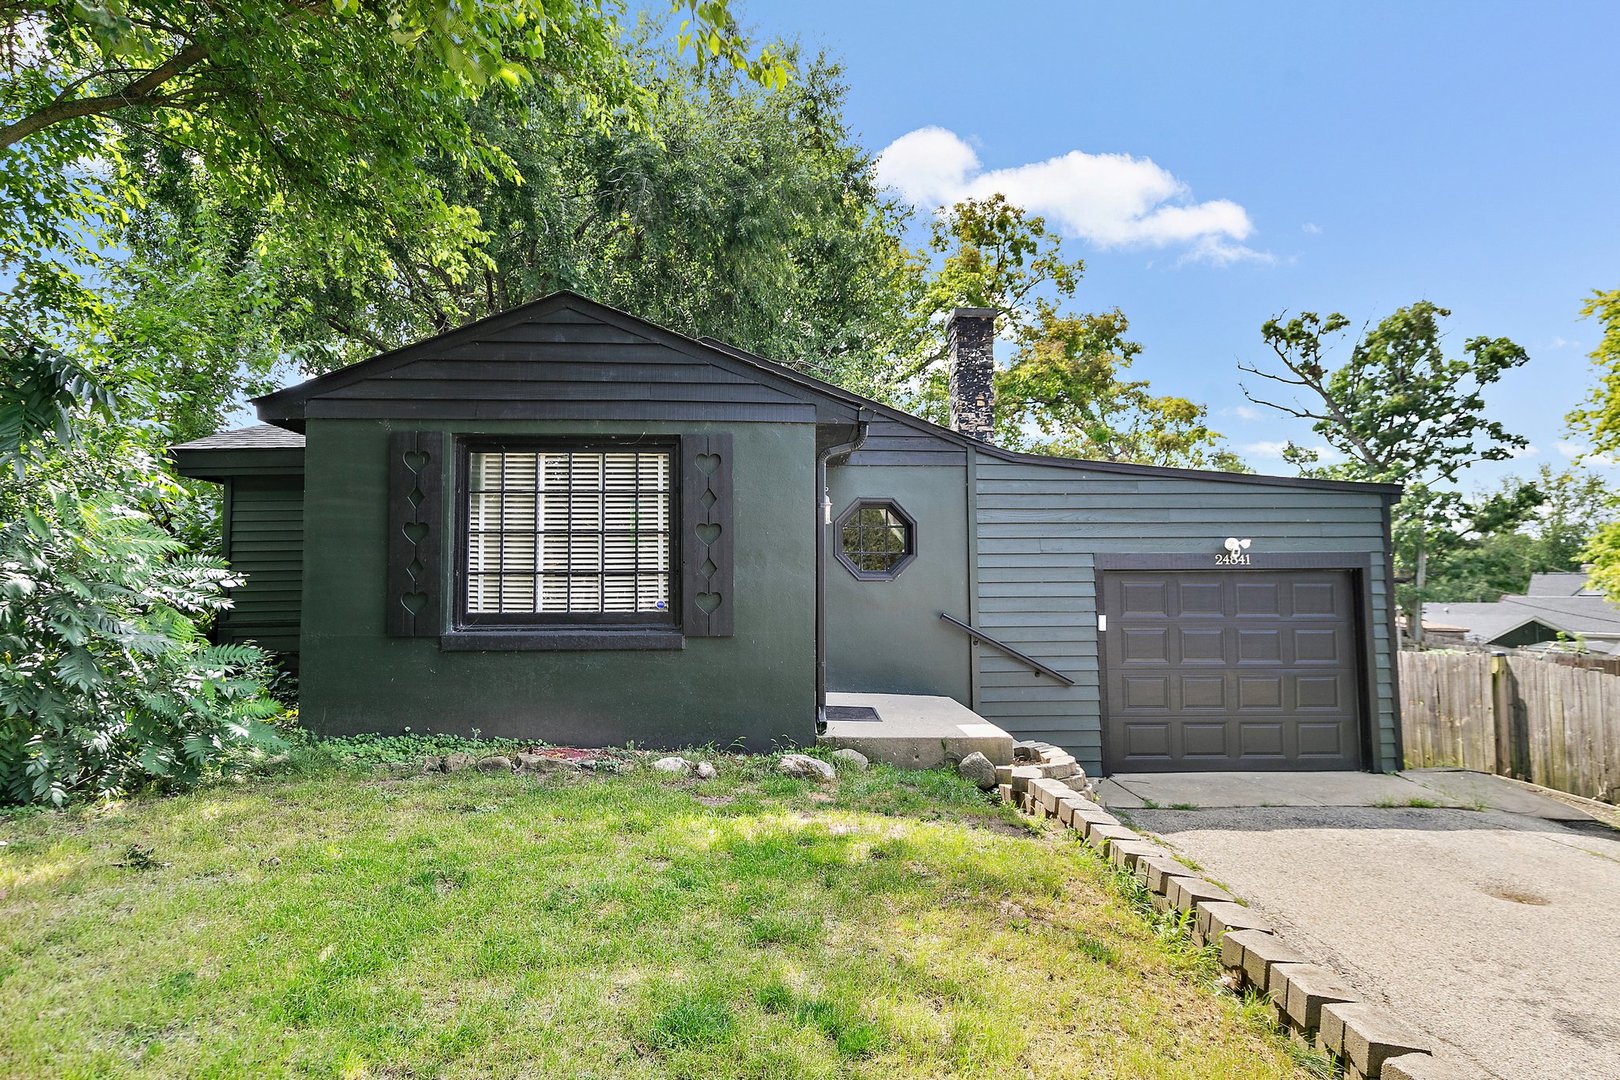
[1041, 529]
[265, 541]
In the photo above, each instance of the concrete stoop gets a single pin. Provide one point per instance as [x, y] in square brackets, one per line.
[914, 731]
[1313, 1003]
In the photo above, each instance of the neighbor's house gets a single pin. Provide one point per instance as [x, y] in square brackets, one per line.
[568, 524]
[1557, 607]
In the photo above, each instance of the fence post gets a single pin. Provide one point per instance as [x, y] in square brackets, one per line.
[1502, 715]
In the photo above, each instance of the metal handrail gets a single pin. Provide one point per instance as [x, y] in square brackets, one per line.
[1034, 664]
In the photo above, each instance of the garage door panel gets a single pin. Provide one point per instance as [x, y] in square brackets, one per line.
[1319, 646]
[1145, 598]
[1322, 739]
[1261, 740]
[1147, 692]
[1260, 692]
[1201, 598]
[1316, 692]
[1259, 646]
[1243, 669]
[1314, 598]
[1203, 692]
[1148, 741]
[1201, 646]
[1205, 740]
[1146, 646]
[1257, 598]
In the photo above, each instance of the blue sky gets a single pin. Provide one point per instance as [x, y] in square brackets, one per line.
[1303, 157]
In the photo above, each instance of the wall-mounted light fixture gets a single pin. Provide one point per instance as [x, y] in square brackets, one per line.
[1236, 552]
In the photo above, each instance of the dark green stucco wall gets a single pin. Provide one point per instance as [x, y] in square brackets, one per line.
[755, 687]
[887, 636]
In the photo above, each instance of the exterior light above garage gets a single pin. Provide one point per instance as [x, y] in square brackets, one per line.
[1236, 553]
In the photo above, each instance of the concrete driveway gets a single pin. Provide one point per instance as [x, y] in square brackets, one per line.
[1481, 911]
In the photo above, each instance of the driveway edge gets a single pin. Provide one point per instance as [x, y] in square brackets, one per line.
[1314, 1004]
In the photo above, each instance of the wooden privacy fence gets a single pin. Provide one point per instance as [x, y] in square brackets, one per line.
[1520, 716]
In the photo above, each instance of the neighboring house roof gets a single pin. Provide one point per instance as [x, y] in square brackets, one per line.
[1590, 616]
[258, 436]
[1562, 583]
[259, 450]
[286, 407]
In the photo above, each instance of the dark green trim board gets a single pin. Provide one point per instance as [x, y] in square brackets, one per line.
[707, 530]
[1392, 630]
[417, 463]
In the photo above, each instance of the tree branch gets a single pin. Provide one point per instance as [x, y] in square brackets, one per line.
[141, 91]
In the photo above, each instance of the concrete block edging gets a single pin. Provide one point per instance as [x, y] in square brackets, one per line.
[1313, 1003]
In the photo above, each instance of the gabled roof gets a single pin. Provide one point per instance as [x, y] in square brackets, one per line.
[1586, 615]
[286, 408]
[1562, 583]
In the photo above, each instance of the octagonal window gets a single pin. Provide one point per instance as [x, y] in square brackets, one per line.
[876, 539]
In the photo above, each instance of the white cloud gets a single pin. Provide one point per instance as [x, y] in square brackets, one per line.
[1243, 412]
[1563, 343]
[1110, 200]
[1526, 452]
[1270, 448]
[1586, 456]
[1311, 228]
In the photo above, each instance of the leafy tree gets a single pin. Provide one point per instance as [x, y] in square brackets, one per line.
[1573, 506]
[106, 679]
[748, 215]
[1401, 411]
[1065, 389]
[318, 112]
[1599, 420]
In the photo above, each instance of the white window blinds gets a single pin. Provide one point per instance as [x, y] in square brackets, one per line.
[569, 532]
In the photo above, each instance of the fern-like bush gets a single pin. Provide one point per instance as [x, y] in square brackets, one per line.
[106, 681]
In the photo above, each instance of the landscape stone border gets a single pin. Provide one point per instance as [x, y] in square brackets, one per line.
[1313, 1003]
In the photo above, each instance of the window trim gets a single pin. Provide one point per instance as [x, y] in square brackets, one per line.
[501, 626]
[875, 502]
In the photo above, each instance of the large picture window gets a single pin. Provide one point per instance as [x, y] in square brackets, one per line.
[569, 534]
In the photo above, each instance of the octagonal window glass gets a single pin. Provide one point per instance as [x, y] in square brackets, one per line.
[876, 539]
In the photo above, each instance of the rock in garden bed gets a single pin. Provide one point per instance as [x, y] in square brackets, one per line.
[805, 767]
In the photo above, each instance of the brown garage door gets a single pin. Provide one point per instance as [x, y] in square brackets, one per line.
[1246, 669]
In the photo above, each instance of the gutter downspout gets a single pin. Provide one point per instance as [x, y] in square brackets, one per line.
[823, 544]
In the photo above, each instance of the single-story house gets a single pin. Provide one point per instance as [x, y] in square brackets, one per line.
[566, 523]
[1556, 607]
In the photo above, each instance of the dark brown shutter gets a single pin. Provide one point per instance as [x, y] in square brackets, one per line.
[706, 541]
[418, 466]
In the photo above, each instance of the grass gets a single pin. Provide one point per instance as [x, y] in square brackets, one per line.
[350, 918]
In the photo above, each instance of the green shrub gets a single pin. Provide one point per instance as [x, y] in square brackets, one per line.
[107, 681]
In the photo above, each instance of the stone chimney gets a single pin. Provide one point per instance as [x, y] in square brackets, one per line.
[972, 336]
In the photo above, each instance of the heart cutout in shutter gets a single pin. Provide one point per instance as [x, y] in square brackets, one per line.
[707, 602]
[414, 601]
[415, 459]
[707, 463]
[415, 531]
[708, 532]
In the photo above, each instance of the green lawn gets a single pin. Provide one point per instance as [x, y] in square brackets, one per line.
[368, 922]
